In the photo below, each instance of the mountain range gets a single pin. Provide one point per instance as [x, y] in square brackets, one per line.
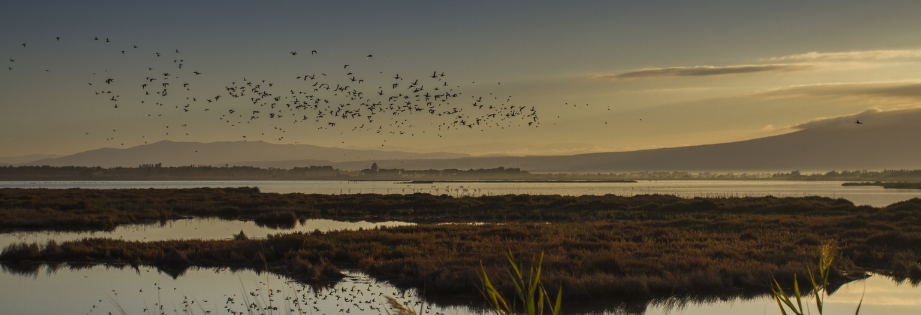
[882, 140]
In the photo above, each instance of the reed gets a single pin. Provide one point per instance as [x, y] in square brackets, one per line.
[530, 292]
[819, 290]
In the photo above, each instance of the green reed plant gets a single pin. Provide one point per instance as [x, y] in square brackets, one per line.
[531, 292]
[820, 291]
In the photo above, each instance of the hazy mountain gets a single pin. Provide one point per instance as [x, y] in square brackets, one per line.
[504, 149]
[7, 160]
[884, 140]
[219, 153]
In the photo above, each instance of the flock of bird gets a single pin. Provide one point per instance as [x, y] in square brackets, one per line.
[351, 98]
[359, 296]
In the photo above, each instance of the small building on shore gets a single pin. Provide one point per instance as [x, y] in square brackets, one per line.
[376, 171]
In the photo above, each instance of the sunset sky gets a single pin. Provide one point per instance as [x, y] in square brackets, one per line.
[601, 75]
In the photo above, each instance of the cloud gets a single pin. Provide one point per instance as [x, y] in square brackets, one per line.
[871, 118]
[851, 55]
[702, 71]
[897, 91]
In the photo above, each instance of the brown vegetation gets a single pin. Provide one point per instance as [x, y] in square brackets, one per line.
[597, 246]
[92, 209]
[591, 260]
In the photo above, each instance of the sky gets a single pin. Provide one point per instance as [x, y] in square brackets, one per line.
[589, 76]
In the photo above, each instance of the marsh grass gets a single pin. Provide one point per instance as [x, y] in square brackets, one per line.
[591, 260]
[640, 248]
[91, 209]
[531, 292]
[819, 290]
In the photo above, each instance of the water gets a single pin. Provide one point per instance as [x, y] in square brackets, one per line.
[76, 290]
[861, 195]
[101, 289]
[196, 228]
[98, 289]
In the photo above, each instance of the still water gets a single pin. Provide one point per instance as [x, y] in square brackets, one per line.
[100, 290]
[861, 195]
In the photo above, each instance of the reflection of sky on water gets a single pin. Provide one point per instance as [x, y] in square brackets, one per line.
[883, 296]
[869, 195]
[67, 291]
[197, 228]
[78, 291]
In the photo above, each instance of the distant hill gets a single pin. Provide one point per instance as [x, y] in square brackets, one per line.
[884, 140]
[219, 153]
[7, 160]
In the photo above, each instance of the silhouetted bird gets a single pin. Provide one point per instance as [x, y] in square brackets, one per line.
[858, 122]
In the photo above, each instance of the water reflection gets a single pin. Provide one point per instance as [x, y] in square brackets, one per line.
[195, 228]
[87, 288]
[881, 295]
[861, 195]
[99, 289]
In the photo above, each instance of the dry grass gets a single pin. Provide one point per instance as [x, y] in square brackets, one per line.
[598, 247]
[89, 209]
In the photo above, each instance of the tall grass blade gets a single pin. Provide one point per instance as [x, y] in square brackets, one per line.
[861, 302]
[796, 293]
[530, 291]
[559, 301]
[782, 296]
[780, 306]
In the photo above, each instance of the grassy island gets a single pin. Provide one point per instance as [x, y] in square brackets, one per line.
[596, 247]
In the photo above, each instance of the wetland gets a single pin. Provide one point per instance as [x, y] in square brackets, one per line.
[602, 249]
